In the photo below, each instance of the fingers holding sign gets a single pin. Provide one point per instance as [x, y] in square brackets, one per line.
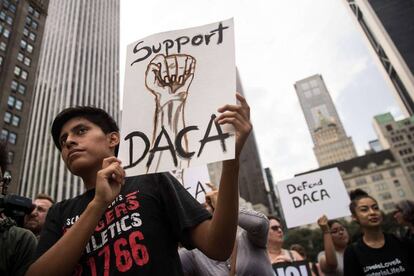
[239, 116]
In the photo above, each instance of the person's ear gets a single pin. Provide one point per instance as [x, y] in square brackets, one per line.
[114, 139]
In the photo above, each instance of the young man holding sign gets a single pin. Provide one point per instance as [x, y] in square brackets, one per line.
[131, 225]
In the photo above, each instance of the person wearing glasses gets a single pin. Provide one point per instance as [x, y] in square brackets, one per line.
[376, 252]
[404, 215]
[275, 250]
[335, 240]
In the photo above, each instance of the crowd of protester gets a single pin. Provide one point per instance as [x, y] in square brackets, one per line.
[183, 236]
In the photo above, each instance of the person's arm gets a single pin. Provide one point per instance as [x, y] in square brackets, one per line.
[215, 237]
[256, 225]
[328, 262]
[63, 256]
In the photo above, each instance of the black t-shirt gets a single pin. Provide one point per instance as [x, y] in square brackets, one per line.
[139, 232]
[394, 258]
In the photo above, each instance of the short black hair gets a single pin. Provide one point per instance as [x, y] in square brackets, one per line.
[3, 157]
[93, 114]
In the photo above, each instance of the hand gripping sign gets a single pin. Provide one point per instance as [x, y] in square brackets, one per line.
[174, 84]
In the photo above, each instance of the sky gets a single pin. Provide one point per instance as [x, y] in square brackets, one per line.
[278, 43]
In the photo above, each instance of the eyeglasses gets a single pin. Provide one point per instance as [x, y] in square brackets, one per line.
[276, 228]
[337, 230]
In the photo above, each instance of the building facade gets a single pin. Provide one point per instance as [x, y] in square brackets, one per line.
[379, 174]
[388, 26]
[78, 65]
[398, 136]
[21, 31]
[331, 145]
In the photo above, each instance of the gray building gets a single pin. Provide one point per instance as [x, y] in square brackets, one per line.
[388, 26]
[398, 136]
[331, 145]
[21, 31]
[78, 65]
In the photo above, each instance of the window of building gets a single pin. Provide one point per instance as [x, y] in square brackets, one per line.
[36, 14]
[6, 33]
[21, 89]
[381, 186]
[308, 94]
[30, 9]
[377, 177]
[10, 157]
[3, 46]
[28, 21]
[10, 101]
[385, 196]
[27, 61]
[316, 91]
[388, 127]
[313, 83]
[392, 173]
[15, 120]
[7, 117]
[360, 181]
[2, 16]
[401, 192]
[397, 183]
[18, 104]
[24, 75]
[4, 134]
[1, 60]
[29, 48]
[32, 36]
[20, 57]
[14, 85]
[23, 44]
[389, 206]
[12, 8]
[25, 32]
[34, 24]
[9, 20]
[12, 138]
[17, 70]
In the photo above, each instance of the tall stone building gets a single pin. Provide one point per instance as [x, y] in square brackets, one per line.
[78, 66]
[379, 174]
[331, 145]
[388, 26]
[398, 136]
[21, 31]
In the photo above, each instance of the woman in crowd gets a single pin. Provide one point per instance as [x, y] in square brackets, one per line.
[376, 252]
[249, 255]
[404, 215]
[335, 240]
[314, 267]
[275, 244]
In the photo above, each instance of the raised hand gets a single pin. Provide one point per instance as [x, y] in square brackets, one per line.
[239, 116]
[109, 180]
[169, 77]
[323, 223]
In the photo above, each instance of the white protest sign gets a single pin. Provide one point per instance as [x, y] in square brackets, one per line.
[174, 84]
[194, 180]
[307, 197]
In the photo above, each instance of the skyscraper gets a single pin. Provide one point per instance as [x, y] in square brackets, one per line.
[331, 145]
[389, 27]
[78, 66]
[21, 30]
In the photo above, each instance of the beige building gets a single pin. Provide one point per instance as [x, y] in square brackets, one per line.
[331, 144]
[398, 136]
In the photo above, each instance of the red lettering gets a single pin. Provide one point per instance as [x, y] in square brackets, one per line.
[123, 257]
[109, 215]
[100, 226]
[107, 254]
[120, 210]
[132, 194]
[78, 270]
[92, 265]
[139, 251]
[132, 204]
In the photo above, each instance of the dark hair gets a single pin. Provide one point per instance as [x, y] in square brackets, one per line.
[45, 196]
[407, 209]
[332, 221]
[93, 114]
[355, 196]
[3, 157]
[300, 249]
[275, 218]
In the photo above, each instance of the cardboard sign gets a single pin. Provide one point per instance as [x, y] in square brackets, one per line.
[174, 84]
[194, 180]
[307, 197]
[297, 268]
